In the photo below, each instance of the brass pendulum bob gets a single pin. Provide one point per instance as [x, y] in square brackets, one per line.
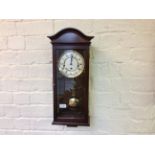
[73, 101]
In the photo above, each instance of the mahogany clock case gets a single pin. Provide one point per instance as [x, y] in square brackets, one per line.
[66, 89]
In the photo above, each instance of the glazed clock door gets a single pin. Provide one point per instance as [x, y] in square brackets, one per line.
[70, 83]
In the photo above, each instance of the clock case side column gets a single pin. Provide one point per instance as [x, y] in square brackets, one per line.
[54, 84]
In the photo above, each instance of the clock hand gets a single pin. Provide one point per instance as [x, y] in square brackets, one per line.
[71, 60]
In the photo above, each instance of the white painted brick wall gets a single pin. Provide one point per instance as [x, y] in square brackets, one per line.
[122, 76]
[37, 43]
[16, 42]
[28, 27]
[3, 43]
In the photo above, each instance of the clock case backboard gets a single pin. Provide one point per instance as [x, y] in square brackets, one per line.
[71, 39]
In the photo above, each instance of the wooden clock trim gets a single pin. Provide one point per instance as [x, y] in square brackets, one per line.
[69, 36]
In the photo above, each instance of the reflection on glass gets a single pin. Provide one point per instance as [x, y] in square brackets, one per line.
[70, 93]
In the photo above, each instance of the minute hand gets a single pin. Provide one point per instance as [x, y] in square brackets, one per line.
[71, 60]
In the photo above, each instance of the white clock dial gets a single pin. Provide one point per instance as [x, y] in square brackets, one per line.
[71, 63]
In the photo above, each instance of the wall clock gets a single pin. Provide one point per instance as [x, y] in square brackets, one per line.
[71, 77]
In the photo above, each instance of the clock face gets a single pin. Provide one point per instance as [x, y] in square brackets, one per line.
[71, 64]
